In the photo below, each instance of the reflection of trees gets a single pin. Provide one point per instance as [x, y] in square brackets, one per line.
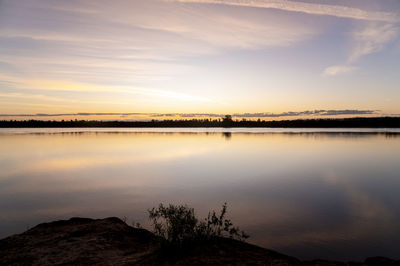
[227, 135]
[391, 135]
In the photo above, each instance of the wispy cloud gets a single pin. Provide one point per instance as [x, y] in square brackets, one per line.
[77, 87]
[381, 27]
[310, 113]
[135, 44]
[178, 56]
[372, 39]
[339, 69]
[191, 115]
[309, 8]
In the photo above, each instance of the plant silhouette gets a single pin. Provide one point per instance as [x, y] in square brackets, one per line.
[178, 226]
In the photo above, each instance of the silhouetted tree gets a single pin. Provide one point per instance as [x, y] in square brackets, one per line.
[227, 121]
[227, 118]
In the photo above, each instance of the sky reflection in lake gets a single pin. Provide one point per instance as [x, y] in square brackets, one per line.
[311, 195]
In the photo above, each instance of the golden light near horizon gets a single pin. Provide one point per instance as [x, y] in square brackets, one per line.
[192, 58]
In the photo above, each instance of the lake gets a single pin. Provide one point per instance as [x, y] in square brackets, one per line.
[309, 193]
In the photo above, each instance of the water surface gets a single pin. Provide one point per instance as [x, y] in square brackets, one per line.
[310, 193]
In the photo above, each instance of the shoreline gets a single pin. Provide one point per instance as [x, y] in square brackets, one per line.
[357, 122]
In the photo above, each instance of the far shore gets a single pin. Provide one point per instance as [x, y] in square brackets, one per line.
[227, 122]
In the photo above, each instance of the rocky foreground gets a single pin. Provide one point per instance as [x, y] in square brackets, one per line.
[110, 241]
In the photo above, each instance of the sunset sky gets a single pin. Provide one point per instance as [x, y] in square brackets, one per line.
[177, 58]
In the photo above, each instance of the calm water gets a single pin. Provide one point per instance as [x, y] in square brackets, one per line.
[310, 193]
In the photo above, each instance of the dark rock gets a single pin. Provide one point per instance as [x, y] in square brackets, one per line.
[110, 241]
[78, 241]
[377, 261]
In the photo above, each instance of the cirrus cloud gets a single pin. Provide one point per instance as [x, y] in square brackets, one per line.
[309, 8]
[339, 69]
[215, 115]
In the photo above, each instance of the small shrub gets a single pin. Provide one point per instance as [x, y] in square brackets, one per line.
[133, 223]
[218, 226]
[179, 226]
[136, 225]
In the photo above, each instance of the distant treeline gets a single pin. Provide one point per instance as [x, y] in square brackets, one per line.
[370, 122]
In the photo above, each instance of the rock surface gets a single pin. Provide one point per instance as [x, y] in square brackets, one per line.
[110, 241]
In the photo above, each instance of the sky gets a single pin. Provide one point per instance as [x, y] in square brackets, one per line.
[135, 60]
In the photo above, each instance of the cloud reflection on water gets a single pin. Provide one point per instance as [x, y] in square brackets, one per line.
[328, 195]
